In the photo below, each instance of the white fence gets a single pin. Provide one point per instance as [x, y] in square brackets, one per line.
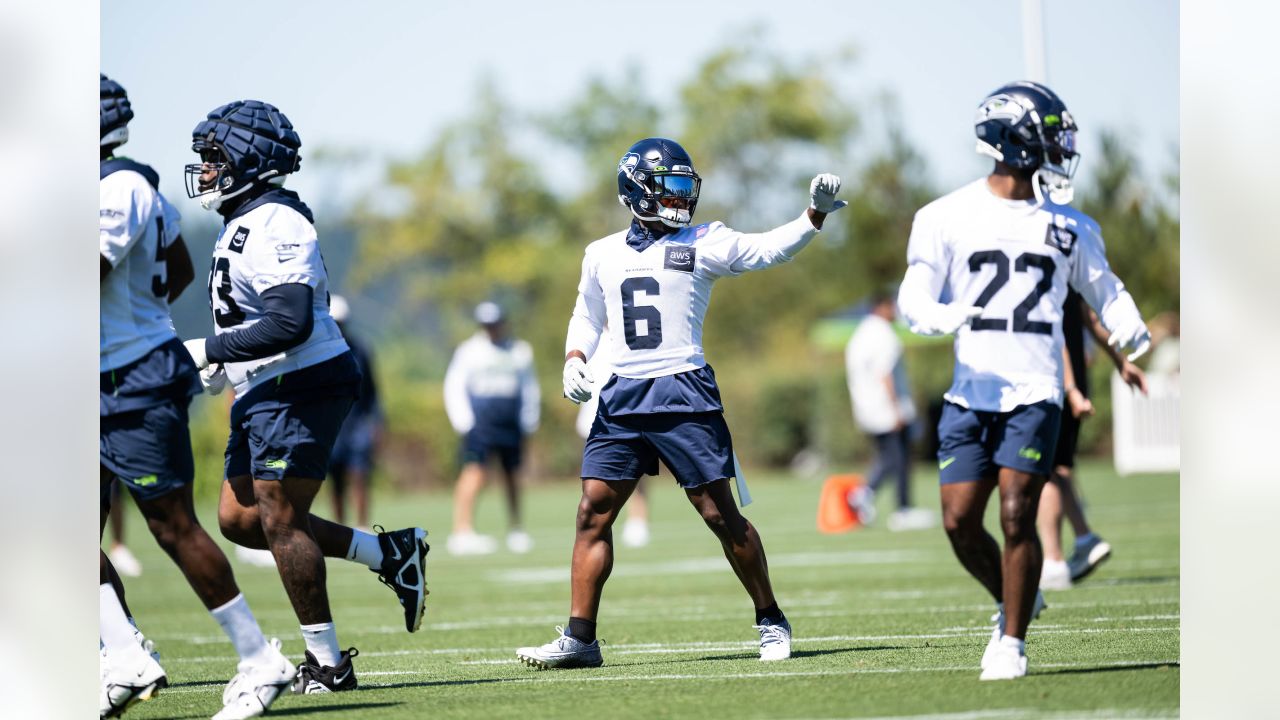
[1146, 428]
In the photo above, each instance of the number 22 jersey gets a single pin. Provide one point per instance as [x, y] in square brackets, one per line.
[1015, 260]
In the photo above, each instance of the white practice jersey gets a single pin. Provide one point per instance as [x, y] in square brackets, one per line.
[494, 375]
[1016, 261]
[136, 225]
[654, 301]
[270, 245]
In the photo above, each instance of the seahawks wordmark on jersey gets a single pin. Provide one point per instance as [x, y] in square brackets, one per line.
[1015, 260]
[136, 226]
[268, 242]
[653, 294]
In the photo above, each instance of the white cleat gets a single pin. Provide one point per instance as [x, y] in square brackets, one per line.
[565, 652]
[994, 643]
[470, 543]
[775, 640]
[257, 684]
[912, 519]
[128, 678]
[124, 561]
[1055, 575]
[1006, 664]
[635, 533]
[1087, 557]
[256, 558]
[519, 542]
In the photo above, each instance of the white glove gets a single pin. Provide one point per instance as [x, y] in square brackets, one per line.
[577, 380]
[1133, 334]
[822, 193]
[214, 379]
[948, 319]
[196, 348]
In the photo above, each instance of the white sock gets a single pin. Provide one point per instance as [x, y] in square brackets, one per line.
[241, 627]
[1013, 642]
[322, 642]
[114, 628]
[1085, 539]
[365, 549]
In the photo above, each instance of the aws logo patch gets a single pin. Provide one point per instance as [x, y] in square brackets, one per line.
[680, 257]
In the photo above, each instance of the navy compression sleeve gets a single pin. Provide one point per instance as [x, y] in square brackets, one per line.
[288, 321]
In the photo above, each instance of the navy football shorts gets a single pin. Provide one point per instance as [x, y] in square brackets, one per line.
[149, 449]
[273, 440]
[695, 447]
[975, 444]
[477, 448]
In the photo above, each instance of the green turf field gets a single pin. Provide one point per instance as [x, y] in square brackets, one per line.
[886, 624]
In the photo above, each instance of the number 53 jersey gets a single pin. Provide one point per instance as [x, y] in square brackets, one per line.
[653, 293]
[1015, 260]
[268, 242]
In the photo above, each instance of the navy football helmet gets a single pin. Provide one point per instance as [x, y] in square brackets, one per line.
[656, 181]
[241, 144]
[114, 112]
[1026, 126]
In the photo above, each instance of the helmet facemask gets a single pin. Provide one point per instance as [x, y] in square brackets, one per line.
[670, 195]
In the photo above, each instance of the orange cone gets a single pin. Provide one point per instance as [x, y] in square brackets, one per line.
[834, 513]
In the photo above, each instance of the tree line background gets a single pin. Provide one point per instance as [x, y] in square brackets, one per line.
[500, 204]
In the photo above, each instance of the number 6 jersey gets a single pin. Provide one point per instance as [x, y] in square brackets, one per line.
[1015, 260]
[267, 242]
[653, 293]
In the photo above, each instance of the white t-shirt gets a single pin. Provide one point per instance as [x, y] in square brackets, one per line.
[270, 245]
[482, 371]
[654, 300]
[874, 352]
[1016, 261]
[135, 227]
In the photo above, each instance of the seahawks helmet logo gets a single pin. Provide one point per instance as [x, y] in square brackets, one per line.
[628, 163]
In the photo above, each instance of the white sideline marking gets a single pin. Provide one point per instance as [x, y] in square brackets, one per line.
[576, 678]
[696, 566]
[726, 645]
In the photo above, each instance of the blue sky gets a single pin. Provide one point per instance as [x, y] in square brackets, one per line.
[384, 77]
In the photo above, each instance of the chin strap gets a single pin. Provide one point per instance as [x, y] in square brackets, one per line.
[1059, 187]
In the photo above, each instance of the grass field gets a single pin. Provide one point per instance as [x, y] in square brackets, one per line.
[886, 624]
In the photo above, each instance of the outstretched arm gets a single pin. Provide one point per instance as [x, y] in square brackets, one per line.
[756, 251]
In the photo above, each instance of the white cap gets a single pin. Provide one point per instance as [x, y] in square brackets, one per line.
[338, 308]
[488, 313]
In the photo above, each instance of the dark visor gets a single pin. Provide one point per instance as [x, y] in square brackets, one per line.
[685, 186]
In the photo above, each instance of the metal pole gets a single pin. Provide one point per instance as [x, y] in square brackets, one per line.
[1033, 41]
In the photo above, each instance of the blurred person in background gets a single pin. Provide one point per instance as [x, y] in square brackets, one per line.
[493, 401]
[635, 531]
[1059, 498]
[125, 562]
[883, 409]
[353, 452]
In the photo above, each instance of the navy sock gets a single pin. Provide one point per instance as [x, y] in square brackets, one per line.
[772, 613]
[582, 629]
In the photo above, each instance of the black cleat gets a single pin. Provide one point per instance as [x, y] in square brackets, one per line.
[404, 570]
[316, 678]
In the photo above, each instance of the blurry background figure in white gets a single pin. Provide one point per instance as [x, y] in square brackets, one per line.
[883, 409]
[635, 531]
[492, 398]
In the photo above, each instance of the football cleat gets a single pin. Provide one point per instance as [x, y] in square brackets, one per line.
[564, 652]
[1087, 557]
[257, 684]
[775, 640]
[128, 678]
[124, 561]
[1006, 664]
[315, 678]
[635, 533]
[404, 570]
[912, 518]
[993, 645]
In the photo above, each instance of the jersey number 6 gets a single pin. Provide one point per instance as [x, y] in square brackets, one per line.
[631, 312]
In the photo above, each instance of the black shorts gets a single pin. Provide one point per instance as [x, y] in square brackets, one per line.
[1068, 438]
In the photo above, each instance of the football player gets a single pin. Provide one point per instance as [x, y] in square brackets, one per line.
[992, 263]
[146, 384]
[493, 401]
[651, 285]
[294, 379]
